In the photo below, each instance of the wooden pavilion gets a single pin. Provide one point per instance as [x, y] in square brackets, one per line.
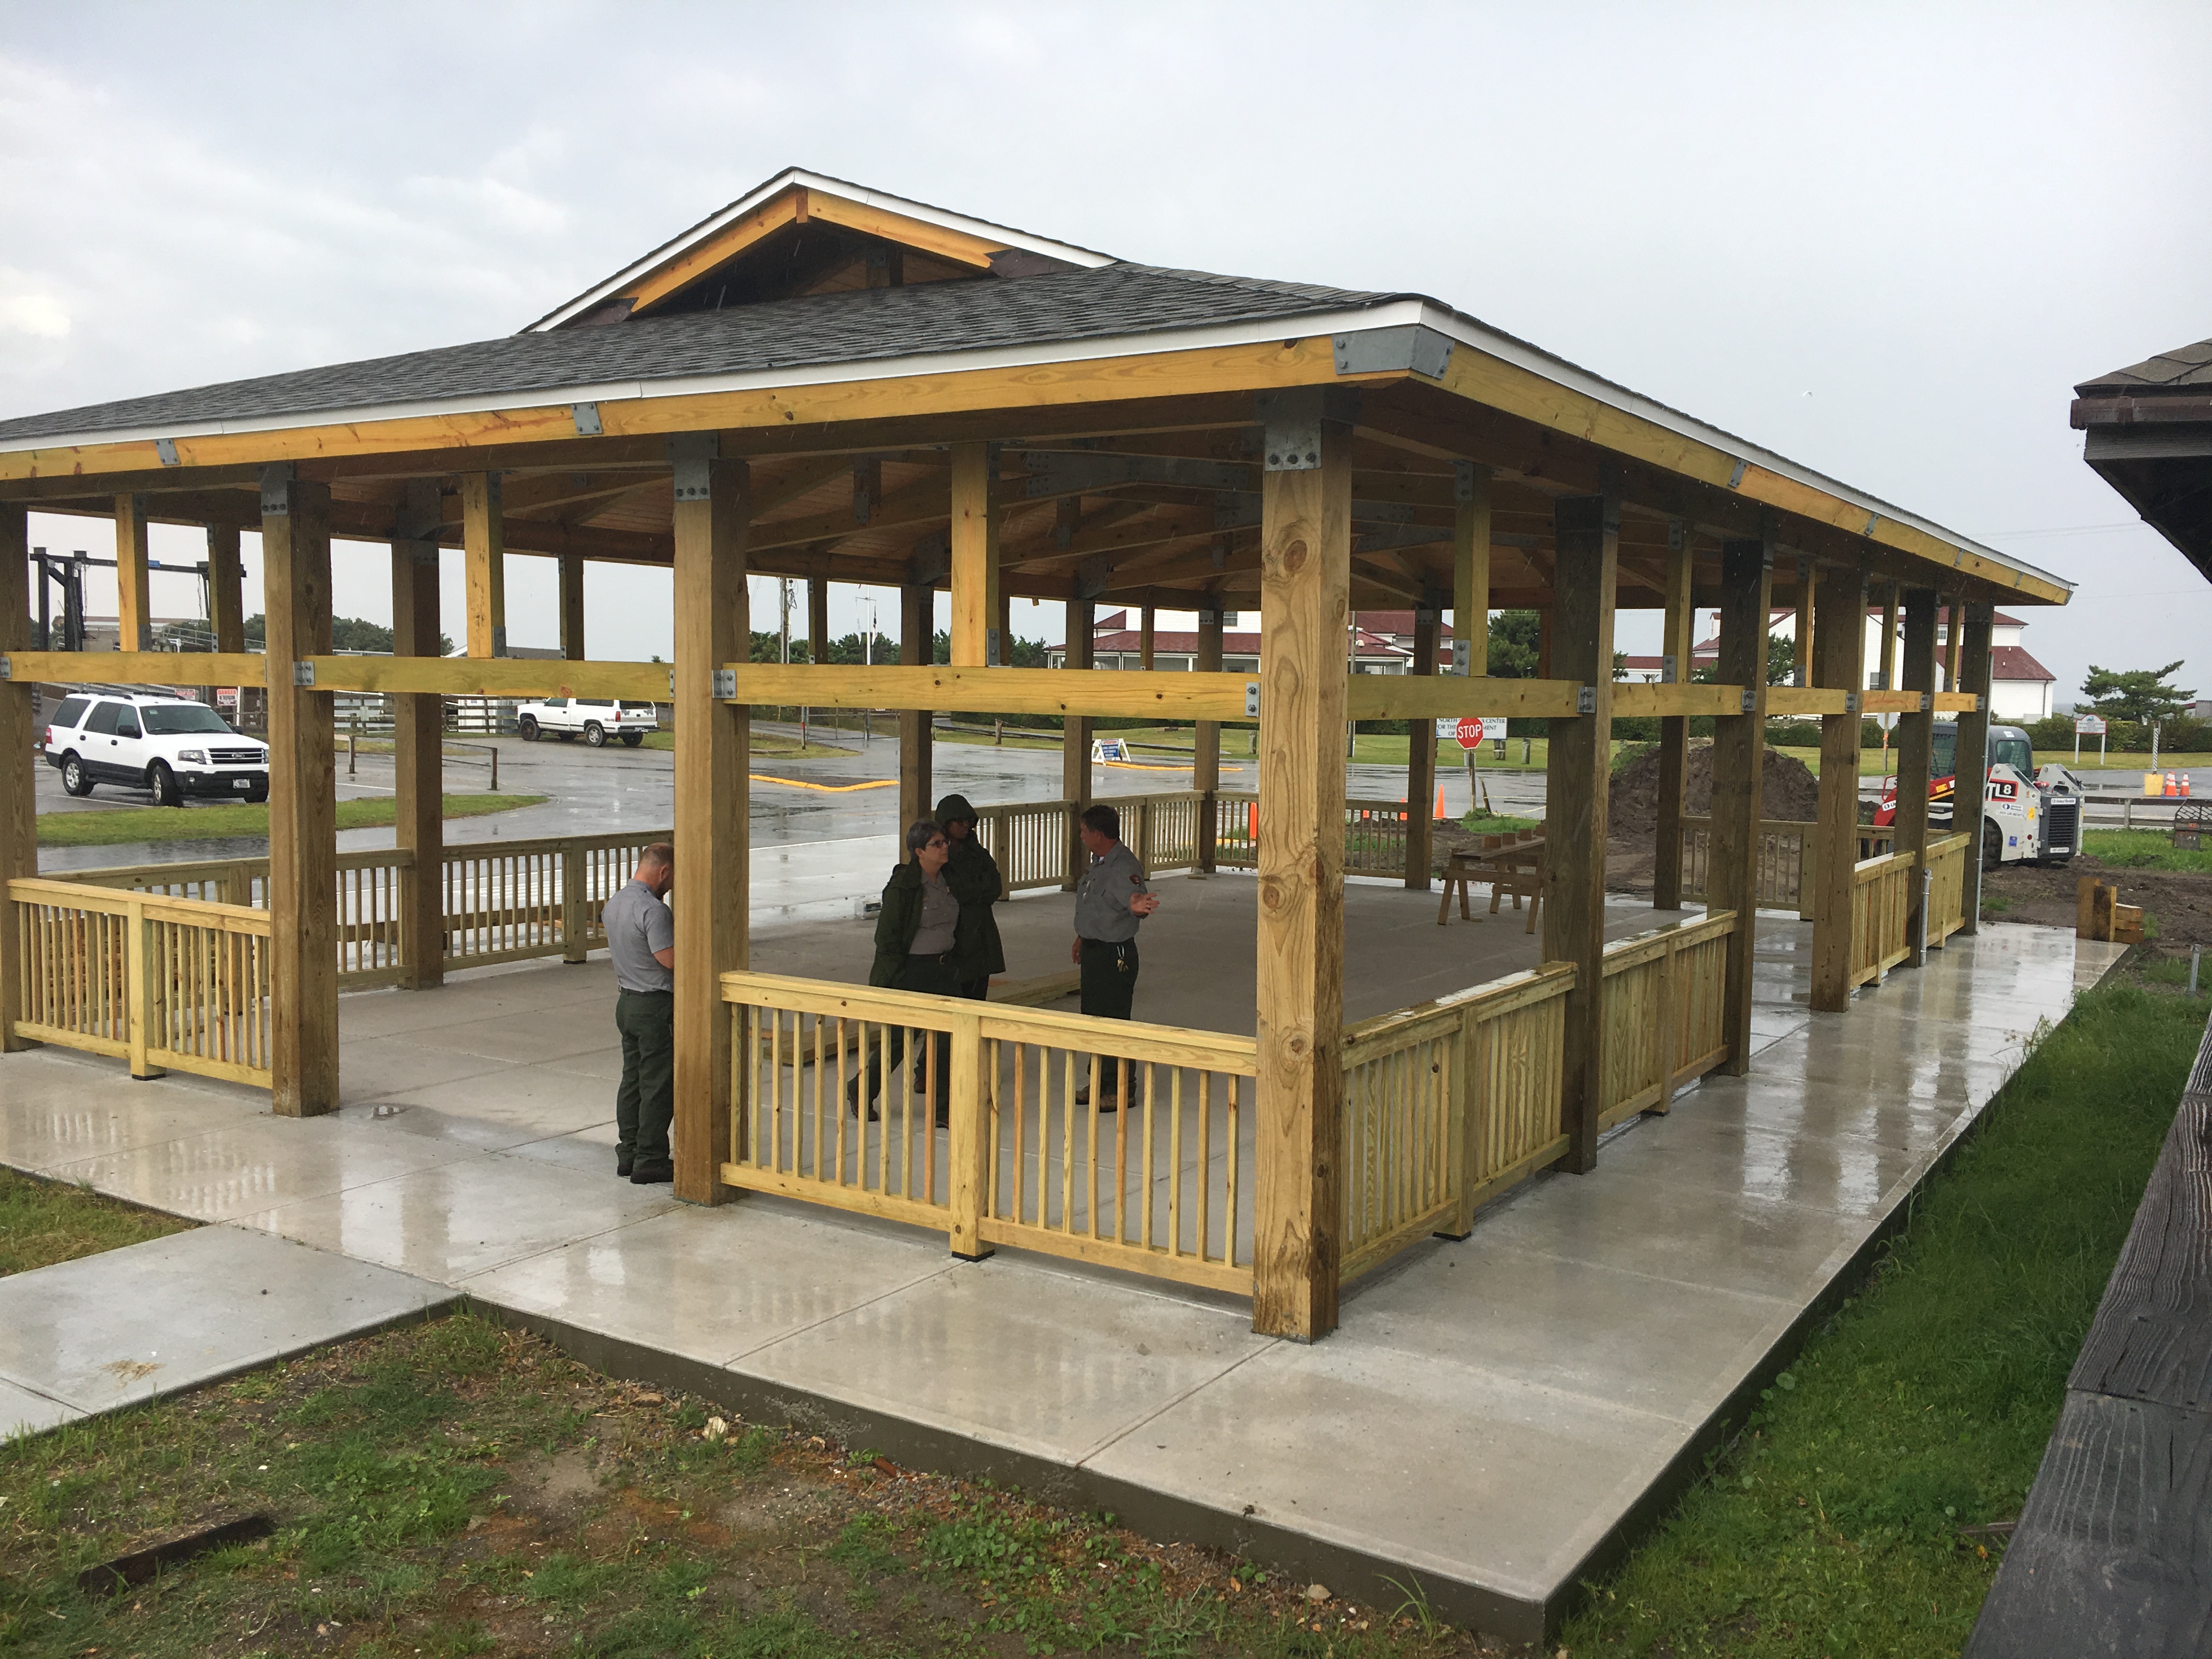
[824, 382]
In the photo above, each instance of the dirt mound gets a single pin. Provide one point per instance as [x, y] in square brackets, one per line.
[1789, 791]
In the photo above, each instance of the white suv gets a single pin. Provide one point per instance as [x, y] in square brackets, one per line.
[593, 719]
[170, 745]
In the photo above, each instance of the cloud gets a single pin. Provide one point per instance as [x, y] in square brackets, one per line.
[42, 315]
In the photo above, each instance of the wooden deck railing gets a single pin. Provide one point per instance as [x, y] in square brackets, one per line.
[980, 1134]
[1373, 834]
[1782, 868]
[1663, 1025]
[1947, 889]
[167, 984]
[1881, 904]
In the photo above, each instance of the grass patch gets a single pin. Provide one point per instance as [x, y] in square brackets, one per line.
[1493, 824]
[121, 826]
[1834, 1525]
[2143, 849]
[43, 1222]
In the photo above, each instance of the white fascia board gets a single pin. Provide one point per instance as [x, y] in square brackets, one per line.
[799, 176]
[1465, 331]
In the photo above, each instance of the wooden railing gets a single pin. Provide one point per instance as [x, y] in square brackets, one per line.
[1881, 905]
[1781, 866]
[504, 900]
[1373, 834]
[1947, 889]
[1033, 842]
[167, 983]
[980, 1133]
[1663, 1011]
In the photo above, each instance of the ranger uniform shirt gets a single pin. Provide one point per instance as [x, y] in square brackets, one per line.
[1102, 895]
[637, 924]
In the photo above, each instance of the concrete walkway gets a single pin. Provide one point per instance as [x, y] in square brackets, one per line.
[1494, 1417]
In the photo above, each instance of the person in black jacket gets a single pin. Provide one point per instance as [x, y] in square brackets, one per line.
[973, 875]
[918, 948]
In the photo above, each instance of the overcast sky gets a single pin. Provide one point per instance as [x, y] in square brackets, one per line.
[1885, 240]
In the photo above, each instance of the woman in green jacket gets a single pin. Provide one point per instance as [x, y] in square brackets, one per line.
[918, 948]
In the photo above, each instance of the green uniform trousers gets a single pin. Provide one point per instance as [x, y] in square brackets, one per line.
[1110, 991]
[644, 1104]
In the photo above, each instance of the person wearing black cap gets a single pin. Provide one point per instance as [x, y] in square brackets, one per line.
[973, 875]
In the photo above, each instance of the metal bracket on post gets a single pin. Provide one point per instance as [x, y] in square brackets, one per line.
[1927, 702]
[1464, 476]
[1670, 668]
[586, 418]
[165, 450]
[1251, 700]
[1291, 422]
[671, 685]
[1586, 700]
[1736, 477]
[1462, 654]
[725, 684]
[991, 648]
[303, 674]
[1750, 701]
[276, 496]
[1981, 703]
[1850, 703]
[7, 669]
[688, 454]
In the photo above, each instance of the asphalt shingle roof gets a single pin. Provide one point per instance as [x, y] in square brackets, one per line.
[2183, 368]
[860, 327]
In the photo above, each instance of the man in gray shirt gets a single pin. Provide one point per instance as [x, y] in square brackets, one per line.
[1111, 898]
[642, 939]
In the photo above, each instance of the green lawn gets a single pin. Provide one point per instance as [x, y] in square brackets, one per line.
[1839, 1524]
[2143, 849]
[43, 1222]
[123, 824]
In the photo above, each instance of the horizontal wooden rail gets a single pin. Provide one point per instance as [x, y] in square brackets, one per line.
[1161, 692]
[494, 676]
[1441, 696]
[137, 667]
[1692, 699]
[1804, 700]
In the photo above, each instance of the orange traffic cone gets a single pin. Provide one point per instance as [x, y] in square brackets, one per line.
[1440, 803]
[2172, 788]
[1252, 821]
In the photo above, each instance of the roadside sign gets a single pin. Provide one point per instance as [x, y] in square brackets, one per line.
[1472, 729]
[2089, 726]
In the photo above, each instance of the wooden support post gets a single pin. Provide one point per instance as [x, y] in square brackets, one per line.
[1889, 653]
[1952, 635]
[1840, 637]
[1305, 598]
[1147, 632]
[1916, 743]
[1471, 568]
[1974, 660]
[1674, 646]
[1801, 625]
[1421, 762]
[1587, 534]
[1738, 769]
[19, 820]
[917, 624]
[712, 892]
[1206, 741]
[418, 726]
[817, 619]
[572, 607]
[975, 557]
[483, 542]
[296, 586]
[133, 614]
[226, 589]
[1075, 740]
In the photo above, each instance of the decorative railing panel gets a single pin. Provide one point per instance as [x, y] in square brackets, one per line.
[1946, 887]
[1782, 864]
[1881, 907]
[1663, 1012]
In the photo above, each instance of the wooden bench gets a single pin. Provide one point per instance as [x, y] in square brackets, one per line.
[1509, 865]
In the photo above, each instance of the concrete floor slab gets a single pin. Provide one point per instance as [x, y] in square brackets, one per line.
[377, 1068]
[474, 995]
[714, 1285]
[26, 1411]
[1047, 1363]
[173, 1313]
[530, 1036]
[530, 1101]
[1720, 1153]
[60, 1109]
[257, 1163]
[463, 1216]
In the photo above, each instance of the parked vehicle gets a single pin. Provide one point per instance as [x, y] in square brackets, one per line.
[169, 745]
[2027, 816]
[592, 719]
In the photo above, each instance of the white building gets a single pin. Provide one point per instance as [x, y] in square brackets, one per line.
[2020, 686]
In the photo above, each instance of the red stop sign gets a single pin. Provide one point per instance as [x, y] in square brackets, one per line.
[1470, 732]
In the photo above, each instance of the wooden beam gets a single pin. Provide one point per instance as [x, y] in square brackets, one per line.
[974, 556]
[1676, 642]
[296, 584]
[1840, 637]
[1471, 571]
[145, 667]
[19, 808]
[1889, 663]
[1167, 694]
[1974, 664]
[682, 269]
[1738, 769]
[484, 549]
[572, 607]
[1589, 528]
[1916, 743]
[1076, 728]
[1405, 697]
[1305, 600]
[1674, 702]
[1205, 737]
[1421, 764]
[134, 613]
[1800, 623]
[712, 866]
[917, 626]
[226, 589]
[418, 726]
[489, 677]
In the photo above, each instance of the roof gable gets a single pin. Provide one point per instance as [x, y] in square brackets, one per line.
[804, 234]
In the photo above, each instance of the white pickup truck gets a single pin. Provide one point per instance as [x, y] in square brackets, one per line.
[592, 719]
